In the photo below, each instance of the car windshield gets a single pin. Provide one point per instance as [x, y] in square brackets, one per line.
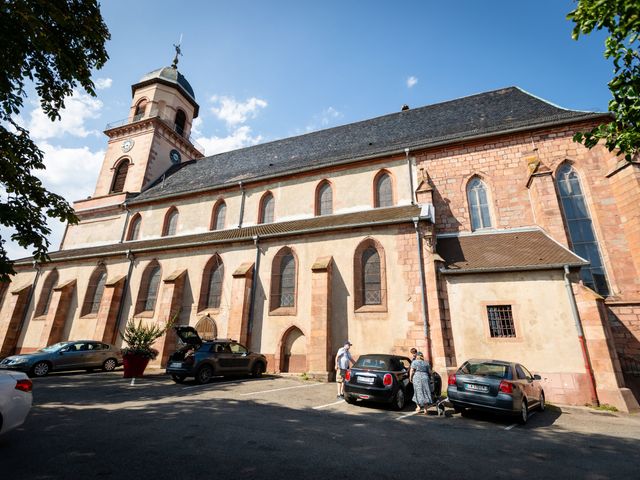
[54, 348]
[372, 363]
[486, 369]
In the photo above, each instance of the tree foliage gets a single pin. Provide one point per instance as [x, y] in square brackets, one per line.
[621, 18]
[52, 46]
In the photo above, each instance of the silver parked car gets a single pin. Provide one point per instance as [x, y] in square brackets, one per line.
[15, 399]
[78, 355]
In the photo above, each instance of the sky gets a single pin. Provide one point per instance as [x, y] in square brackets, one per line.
[262, 71]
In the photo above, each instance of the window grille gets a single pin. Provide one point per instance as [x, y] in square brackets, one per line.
[287, 281]
[384, 191]
[478, 204]
[371, 280]
[325, 199]
[501, 321]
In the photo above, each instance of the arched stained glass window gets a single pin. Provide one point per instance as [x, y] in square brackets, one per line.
[324, 199]
[150, 288]
[478, 204]
[371, 279]
[134, 228]
[95, 290]
[219, 216]
[384, 191]
[287, 281]
[170, 223]
[213, 278]
[46, 293]
[581, 234]
[266, 208]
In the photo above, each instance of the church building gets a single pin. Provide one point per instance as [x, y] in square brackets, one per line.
[472, 228]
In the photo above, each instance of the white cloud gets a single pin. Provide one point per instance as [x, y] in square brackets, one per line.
[79, 108]
[324, 119]
[238, 138]
[329, 115]
[234, 112]
[103, 83]
[411, 81]
[196, 126]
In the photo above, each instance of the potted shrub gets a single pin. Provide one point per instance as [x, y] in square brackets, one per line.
[139, 339]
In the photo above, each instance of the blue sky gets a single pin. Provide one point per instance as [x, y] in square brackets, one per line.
[267, 70]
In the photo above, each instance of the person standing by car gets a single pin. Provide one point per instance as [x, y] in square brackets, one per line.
[419, 375]
[343, 361]
[414, 353]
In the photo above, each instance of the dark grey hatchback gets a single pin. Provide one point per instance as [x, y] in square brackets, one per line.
[496, 385]
[204, 360]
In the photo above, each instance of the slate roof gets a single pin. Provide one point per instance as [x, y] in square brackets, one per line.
[347, 221]
[498, 111]
[504, 251]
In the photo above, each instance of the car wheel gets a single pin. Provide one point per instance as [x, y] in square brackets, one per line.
[542, 402]
[204, 374]
[457, 409]
[524, 412]
[177, 378]
[40, 369]
[349, 399]
[399, 400]
[257, 370]
[109, 365]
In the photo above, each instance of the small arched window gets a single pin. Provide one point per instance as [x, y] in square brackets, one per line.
[371, 281]
[95, 290]
[219, 216]
[283, 280]
[134, 227]
[120, 177]
[324, 199]
[181, 119]
[141, 108]
[170, 223]
[267, 205]
[370, 277]
[212, 279]
[478, 204]
[383, 190]
[149, 288]
[46, 293]
[580, 227]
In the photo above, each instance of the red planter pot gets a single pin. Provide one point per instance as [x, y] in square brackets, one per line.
[134, 365]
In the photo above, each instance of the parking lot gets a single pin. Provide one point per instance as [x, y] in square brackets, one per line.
[99, 426]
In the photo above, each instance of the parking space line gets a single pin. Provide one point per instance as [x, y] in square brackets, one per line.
[220, 383]
[408, 415]
[328, 404]
[280, 389]
[515, 424]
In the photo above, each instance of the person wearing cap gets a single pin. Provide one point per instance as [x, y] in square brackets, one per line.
[343, 361]
[419, 375]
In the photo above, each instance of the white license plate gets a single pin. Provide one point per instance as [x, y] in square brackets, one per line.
[476, 388]
[175, 365]
[367, 380]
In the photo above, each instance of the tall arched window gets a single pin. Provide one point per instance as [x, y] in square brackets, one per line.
[283, 281]
[478, 204]
[324, 199]
[141, 107]
[120, 177]
[370, 277]
[149, 288]
[134, 227]
[219, 216]
[578, 223]
[46, 293]
[212, 278]
[93, 297]
[267, 206]
[170, 222]
[181, 119]
[383, 190]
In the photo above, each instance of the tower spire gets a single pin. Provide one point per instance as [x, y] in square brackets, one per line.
[178, 53]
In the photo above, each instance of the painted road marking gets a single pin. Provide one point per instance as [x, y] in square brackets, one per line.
[515, 424]
[408, 415]
[220, 383]
[328, 405]
[280, 389]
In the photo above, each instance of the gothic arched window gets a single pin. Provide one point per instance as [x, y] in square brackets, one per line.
[370, 277]
[141, 107]
[149, 288]
[170, 222]
[120, 177]
[383, 190]
[46, 293]
[95, 290]
[267, 205]
[219, 216]
[283, 280]
[134, 227]
[324, 199]
[212, 279]
[580, 227]
[478, 204]
[181, 119]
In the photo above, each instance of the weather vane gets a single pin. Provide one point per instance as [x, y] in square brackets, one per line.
[178, 52]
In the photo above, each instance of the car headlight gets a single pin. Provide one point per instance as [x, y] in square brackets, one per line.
[18, 361]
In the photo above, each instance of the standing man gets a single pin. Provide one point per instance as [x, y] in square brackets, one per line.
[343, 361]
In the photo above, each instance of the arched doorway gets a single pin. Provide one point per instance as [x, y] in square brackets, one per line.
[206, 328]
[293, 353]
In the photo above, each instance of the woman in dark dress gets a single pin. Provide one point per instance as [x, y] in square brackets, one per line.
[420, 376]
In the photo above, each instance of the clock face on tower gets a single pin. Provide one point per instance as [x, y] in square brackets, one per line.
[174, 155]
[127, 145]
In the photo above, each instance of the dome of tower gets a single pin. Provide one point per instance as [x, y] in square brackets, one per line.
[170, 75]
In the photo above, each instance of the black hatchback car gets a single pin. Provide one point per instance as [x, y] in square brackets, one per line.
[383, 378]
[497, 386]
[204, 360]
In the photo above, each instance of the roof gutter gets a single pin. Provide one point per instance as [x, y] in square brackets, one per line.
[521, 268]
[386, 153]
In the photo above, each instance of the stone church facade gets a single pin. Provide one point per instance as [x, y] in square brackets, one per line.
[474, 228]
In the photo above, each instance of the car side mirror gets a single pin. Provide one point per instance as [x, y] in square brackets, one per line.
[537, 377]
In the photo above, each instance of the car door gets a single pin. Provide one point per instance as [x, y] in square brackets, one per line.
[534, 386]
[94, 354]
[224, 358]
[526, 383]
[241, 358]
[71, 356]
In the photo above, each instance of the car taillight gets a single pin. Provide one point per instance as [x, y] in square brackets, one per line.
[452, 379]
[387, 379]
[347, 376]
[506, 387]
[24, 385]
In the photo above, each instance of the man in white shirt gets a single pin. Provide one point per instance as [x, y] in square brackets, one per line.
[343, 361]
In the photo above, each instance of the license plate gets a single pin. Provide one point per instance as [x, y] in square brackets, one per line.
[476, 388]
[175, 365]
[367, 380]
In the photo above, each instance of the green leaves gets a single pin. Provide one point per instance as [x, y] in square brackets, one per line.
[140, 337]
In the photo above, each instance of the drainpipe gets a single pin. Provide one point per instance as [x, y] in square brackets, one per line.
[241, 204]
[423, 291]
[126, 221]
[254, 283]
[406, 153]
[30, 297]
[583, 343]
[131, 258]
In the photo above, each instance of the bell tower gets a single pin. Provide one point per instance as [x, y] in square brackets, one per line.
[153, 138]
